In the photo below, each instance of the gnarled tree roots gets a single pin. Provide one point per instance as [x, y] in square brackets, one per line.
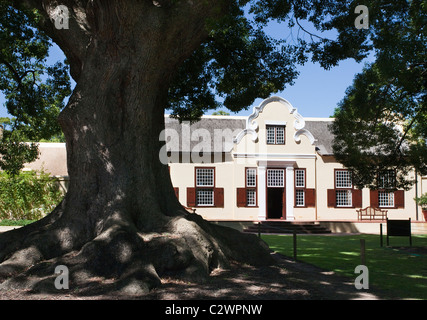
[121, 258]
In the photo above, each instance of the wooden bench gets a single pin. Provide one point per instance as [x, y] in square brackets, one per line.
[371, 213]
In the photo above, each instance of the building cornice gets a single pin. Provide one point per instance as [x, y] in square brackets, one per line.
[265, 156]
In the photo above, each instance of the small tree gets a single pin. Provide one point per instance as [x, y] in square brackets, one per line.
[422, 201]
[220, 113]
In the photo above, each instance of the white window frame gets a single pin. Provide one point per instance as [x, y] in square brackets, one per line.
[251, 177]
[251, 197]
[344, 198]
[273, 136]
[343, 179]
[299, 177]
[202, 197]
[275, 178]
[205, 184]
[386, 199]
[202, 177]
[300, 198]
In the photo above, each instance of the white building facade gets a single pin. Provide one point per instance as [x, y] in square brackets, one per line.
[272, 165]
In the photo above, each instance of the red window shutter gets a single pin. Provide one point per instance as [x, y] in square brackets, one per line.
[241, 197]
[191, 197]
[219, 197]
[399, 199]
[310, 198]
[374, 198]
[357, 198]
[176, 192]
[331, 198]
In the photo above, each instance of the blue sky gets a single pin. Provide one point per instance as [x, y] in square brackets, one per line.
[315, 93]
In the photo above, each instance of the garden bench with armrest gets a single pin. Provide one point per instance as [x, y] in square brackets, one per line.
[371, 213]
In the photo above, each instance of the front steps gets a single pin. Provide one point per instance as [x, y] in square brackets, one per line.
[287, 227]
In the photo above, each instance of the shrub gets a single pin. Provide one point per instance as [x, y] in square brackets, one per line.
[28, 196]
[422, 201]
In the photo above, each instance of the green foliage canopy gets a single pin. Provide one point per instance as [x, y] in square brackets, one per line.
[238, 61]
[241, 62]
[34, 90]
[381, 124]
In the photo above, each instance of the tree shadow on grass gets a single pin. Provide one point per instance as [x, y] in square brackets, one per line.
[287, 280]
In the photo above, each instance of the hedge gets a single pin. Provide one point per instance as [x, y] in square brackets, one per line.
[28, 196]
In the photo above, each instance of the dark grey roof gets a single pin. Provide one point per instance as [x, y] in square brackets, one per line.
[212, 133]
[321, 132]
[215, 134]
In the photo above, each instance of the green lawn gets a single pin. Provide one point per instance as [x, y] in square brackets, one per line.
[400, 272]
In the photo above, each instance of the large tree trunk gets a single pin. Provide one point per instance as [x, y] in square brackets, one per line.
[120, 218]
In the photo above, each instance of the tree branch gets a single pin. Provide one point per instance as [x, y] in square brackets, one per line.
[73, 41]
[18, 78]
[405, 134]
[12, 70]
[308, 32]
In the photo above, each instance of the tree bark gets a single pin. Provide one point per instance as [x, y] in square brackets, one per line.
[120, 218]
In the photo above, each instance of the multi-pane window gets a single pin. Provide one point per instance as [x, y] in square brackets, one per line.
[270, 135]
[299, 178]
[205, 197]
[343, 179]
[344, 195]
[280, 135]
[386, 184]
[386, 198]
[205, 193]
[387, 179]
[251, 183]
[299, 187]
[205, 178]
[250, 177]
[344, 198]
[275, 134]
[251, 197]
[276, 178]
[299, 198]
